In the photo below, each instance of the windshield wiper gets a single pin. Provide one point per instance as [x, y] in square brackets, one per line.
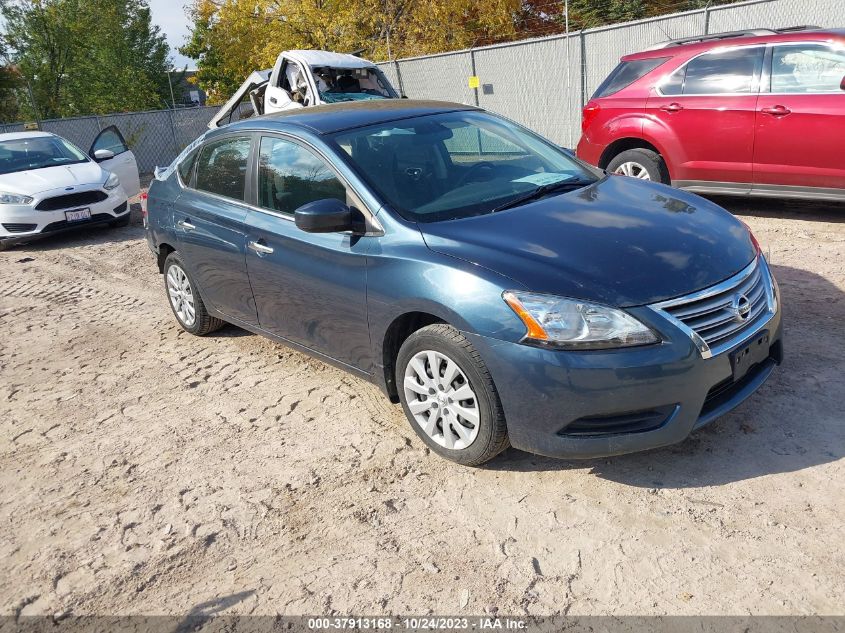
[542, 190]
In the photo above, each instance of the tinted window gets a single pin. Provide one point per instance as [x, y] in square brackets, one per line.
[455, 164]
[625, 74]
[723, 72]
[111, 140]
[807, 68]
[186, 166]
[290, 175]
[674, 84]
[221, 168]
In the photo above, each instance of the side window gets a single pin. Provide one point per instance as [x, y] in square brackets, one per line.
[110, 139]
[221, 167]
[186, 167]
[290, 176]
[807, 68]
[625, 74]
[674, 84]
[723, 72]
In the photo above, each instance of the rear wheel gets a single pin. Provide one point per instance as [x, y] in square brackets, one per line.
[640, 163]
[185, 300]
[449, 396]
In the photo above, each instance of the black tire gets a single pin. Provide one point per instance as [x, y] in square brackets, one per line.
[124, 221]
[203, 322]
[492, 436]
[5, 245]
[652, 162]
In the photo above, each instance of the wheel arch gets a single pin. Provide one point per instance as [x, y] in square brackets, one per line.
[164, 249]
[397, 332]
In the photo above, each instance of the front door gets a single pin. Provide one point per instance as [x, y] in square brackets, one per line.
[121, 161]
[210, 222]
[309, 288]
[801, 119]
[705, 112]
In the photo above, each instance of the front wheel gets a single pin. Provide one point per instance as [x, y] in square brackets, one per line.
[449, 396]
[640, 163]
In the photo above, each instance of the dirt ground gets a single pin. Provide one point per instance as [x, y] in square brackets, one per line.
[144, 470]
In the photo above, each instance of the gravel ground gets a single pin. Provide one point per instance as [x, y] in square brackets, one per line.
[143, 470]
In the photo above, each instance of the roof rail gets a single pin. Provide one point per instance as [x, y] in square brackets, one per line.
[732, 34]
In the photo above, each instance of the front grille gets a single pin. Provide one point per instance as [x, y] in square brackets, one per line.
[725, 391]
[720, 316]
[19, 228]
[71, 200]
[616, 424]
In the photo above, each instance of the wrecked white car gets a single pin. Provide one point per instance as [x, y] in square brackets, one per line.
[305, 78]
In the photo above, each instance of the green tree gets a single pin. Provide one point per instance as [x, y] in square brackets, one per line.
[87, 56]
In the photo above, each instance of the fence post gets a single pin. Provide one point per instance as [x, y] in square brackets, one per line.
[583, 43]
[399, 78]
[173, 132]
[707, 20]
[472, 63]
[99, 125]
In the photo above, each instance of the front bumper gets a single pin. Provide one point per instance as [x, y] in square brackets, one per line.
[23, 223]
[602, 403]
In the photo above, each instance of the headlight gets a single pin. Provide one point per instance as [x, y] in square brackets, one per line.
[14, 198]
[112, 181]
[570, 324]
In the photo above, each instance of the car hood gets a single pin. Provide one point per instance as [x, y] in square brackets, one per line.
[37, 180]
[620, 241]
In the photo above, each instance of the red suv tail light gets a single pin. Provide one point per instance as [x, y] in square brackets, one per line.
[591, 111]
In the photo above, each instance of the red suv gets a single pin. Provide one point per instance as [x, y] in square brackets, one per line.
[750, 113]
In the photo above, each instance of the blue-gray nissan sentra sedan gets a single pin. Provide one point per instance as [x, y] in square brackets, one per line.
[502, 291]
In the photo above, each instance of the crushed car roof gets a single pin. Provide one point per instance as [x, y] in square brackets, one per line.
[328, 58]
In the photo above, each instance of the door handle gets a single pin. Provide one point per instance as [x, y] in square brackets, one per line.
[185, 224]
[672, 107]
[259, 248]
[777, 110]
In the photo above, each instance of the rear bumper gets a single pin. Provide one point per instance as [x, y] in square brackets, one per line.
[597, 404]
[588, 152]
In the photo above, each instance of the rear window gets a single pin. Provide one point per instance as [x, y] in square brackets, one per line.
[625, 74]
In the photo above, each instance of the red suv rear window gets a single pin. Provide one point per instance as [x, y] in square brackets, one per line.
[625, 74]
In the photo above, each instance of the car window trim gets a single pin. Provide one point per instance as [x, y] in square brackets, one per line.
[766, 78]
[374, 226]
[755, 80]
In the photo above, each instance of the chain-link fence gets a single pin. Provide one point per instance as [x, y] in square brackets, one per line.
[155, 136]
[542, 83]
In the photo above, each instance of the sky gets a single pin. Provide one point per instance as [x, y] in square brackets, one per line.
[172, 19]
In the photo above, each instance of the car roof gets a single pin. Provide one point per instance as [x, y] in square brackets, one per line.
[672, 50]
[14, 136]
[336, 117]
[328, 58]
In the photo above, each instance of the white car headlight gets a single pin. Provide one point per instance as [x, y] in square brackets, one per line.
[14, 198]
[571, 324]
[111, 182]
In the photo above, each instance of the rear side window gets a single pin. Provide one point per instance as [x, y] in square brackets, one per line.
[221, 168]
[187, 166]
[720, 72]
[625, 74]
[807, 68]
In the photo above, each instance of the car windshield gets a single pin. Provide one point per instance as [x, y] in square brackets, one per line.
[37, 152]
[458, 164]
[350, 84]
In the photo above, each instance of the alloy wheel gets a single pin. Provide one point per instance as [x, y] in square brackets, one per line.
[181, 295]
[441, 400]
[634, 170]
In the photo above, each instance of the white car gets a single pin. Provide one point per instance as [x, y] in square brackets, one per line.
[47, 184]
[306, 78]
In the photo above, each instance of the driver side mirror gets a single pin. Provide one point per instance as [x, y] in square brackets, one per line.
[326, 216]
[842, 84]
[103, 154]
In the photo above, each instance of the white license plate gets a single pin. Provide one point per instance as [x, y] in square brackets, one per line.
[79, 214]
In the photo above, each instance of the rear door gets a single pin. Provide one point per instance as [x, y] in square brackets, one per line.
[210, 225]
[801, 118]
[309, 288]
[123, 162]
[704, 114]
